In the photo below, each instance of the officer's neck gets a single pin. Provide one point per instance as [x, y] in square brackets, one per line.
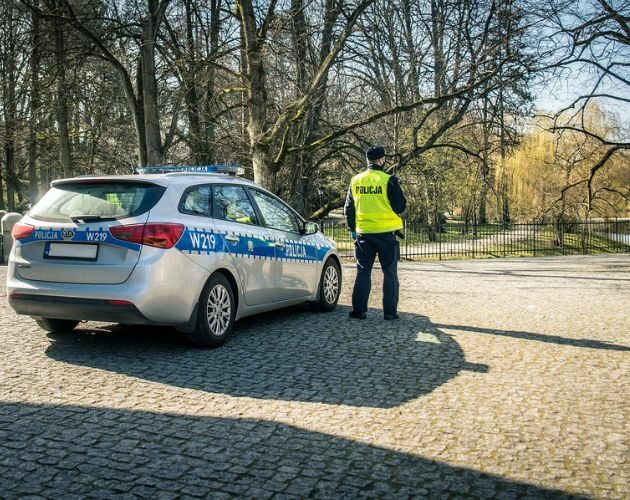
[375, 166]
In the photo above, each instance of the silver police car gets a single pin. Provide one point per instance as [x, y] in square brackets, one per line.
[193, 247]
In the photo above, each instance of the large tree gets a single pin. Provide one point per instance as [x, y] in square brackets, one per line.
[268, 131]
[592, 40]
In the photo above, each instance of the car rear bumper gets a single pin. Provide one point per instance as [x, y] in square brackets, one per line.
[47, 306]
[163, 289]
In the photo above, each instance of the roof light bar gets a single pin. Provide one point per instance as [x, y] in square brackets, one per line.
[198, 169]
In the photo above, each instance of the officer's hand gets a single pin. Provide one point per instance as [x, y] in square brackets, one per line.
[353, 235]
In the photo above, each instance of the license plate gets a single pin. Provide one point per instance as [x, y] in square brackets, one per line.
[71, 251]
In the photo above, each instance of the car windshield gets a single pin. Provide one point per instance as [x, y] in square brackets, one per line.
[96, 201]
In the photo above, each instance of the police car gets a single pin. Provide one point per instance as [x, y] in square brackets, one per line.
[193, 247]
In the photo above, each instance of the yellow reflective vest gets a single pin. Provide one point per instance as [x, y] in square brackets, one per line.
[374, 213]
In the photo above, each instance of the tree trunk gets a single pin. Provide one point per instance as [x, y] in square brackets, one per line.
[62, 100]
[136, 106]
[505, 203]
[298, 179]
[485, 165]
[9, 159]
[299, 37]
[2, 205]
[155, 152]
[437, 36]
[261, 163]
[255, 80]
[209, 123]
[9, 106]
[190, 81]
[411, 50]
[35, 104]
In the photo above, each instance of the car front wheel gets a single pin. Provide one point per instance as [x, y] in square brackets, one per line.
[216, 313]
[329, 287]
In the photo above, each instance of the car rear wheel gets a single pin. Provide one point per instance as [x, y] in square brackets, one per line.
[216, 313]
[329, 287]
[54, 325]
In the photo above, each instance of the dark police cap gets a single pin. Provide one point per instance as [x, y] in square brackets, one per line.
[374, 153]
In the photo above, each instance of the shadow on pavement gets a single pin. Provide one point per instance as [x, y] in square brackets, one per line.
[528, 273]
[540, 337]
[290, 355]
[74, 451]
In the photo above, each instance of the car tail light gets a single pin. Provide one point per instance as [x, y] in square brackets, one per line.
[154, 235]
[119, 302]
[132, 232]
[21, 231]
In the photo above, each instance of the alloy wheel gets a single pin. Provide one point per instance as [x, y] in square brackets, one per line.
[331, 284]
[218, 310]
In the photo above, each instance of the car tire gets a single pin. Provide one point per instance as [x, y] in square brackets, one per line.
[53, 325]
[329, 287]
[216, 313]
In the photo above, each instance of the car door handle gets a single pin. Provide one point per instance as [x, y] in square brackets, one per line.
[232, 239]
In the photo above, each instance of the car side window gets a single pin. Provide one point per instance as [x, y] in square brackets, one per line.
[275, 213]
[197, 200]
[231, 203]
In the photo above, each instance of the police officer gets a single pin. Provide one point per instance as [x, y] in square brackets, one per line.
[373, 207]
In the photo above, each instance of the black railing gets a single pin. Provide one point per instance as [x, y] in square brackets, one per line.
[453, 240]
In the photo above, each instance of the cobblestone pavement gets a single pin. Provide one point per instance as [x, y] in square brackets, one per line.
[503, 378]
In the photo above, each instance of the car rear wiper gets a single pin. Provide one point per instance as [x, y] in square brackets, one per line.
[90, 218]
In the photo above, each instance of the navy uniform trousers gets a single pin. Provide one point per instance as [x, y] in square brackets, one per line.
[366, 248]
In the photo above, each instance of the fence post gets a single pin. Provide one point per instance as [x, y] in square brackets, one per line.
[439, 242]
[6, 226]
[534, 240]
[584, 237]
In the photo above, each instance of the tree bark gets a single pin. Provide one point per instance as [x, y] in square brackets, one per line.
[411, 50]
[209, 122]
[35, 105]
[189, 75]
[505, 202]
[255, 80]
[62, 95]
[437, 39]
[485, 165]
[2, 205]
[150, 26]
[9, 105]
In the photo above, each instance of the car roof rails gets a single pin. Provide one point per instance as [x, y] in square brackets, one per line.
[193, 169]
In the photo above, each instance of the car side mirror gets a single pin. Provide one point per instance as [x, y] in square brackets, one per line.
[310, 228]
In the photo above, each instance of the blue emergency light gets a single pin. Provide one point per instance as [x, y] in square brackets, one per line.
[193, 169]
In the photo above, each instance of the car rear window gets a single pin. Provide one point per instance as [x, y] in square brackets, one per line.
[85, 201]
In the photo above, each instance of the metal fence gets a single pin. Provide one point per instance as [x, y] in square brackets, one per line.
[456, 240]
